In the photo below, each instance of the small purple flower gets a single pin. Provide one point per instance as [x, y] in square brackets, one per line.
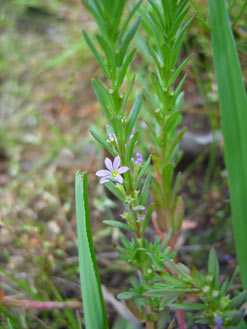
[140, 218]
[138, 159]
[112, 138]
[228, 258]
[218, 321]
[113, 171]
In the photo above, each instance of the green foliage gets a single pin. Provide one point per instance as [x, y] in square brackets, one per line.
[233, 107]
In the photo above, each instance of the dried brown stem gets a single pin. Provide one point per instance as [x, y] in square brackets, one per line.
[46, 305]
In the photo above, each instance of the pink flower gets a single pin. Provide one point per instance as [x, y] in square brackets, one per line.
[114, 171]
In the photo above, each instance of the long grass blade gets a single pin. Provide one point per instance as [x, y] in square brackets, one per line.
[93, 304]
[233, 108]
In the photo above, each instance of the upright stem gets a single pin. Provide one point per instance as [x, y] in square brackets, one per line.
[152, 325]
[181, 319]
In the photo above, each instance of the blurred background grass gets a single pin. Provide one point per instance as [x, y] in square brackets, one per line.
[46, 106]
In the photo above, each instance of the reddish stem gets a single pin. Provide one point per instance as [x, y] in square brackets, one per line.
[181, 319]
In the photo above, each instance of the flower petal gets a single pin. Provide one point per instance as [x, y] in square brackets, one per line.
[103, 173]
[116, 162]
[108, 164]
[123, 169]
[139, 158]
[104, 180]
[140, 218]
[119, 179]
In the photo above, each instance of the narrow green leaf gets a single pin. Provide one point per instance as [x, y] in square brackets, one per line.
[178, 213]
[124, 67]
[233, 109]
[181, 6]
[170, 292]
[126, 23]
[155, 58]
[118, 128]
[156, 27]
[166, 54]
[158, 87]
[188, 307]
[179, 70]
[166, 239]
[224, 287]
[158, 13]
[237, 17]
[179, 103]
[173, 121]
[143, 171]
[101, 95]
[127, 94]
[112, 188]
[131, 146]
[97, 16]
[103, 143]
[167, 175]
[179, 269]
[145, 193]
[166, 302]
[176, 282]
[10, 324]
[96, 54]
[128, 37]
[178, 89]
[179, 40]
[118, 6]
[234, 316]
[126, 295]
[148, 216]
[198, 278]
[107, 49]
[118, 224]
[107, 6]
[213, 267]
[179, 19]
[238, 300]
[93, 304]
[97, 7]
[175, 144]
[132, 117]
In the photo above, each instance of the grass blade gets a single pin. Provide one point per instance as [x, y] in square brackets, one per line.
[93, 304]
[233, 107]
